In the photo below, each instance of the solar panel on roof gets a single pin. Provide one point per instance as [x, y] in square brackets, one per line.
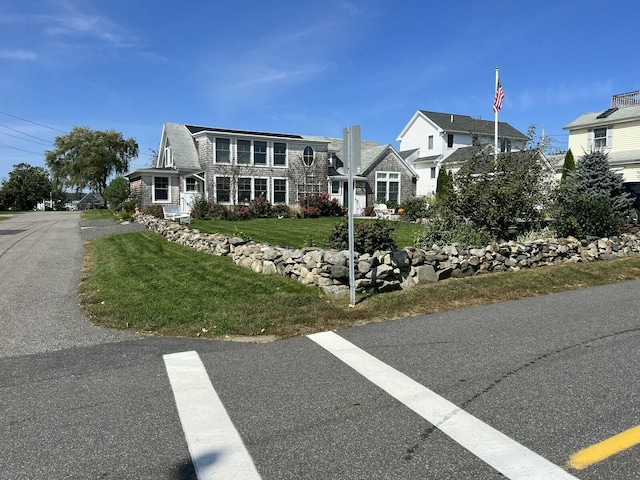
[608, 112]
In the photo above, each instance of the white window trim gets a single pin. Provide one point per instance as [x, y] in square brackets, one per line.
[273, 190]
[215, 189]
[215, 151]
[153, 189]
[168, 157]
[253, 154]
[235, 142]
[591, 138]
[387, 180]
[252, 194]
[273, 155]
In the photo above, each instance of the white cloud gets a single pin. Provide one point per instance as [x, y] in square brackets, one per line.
[565, 94]
[18, 54]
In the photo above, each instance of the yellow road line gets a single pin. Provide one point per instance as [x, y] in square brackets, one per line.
[605, 449]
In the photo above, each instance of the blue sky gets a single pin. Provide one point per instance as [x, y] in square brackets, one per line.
[302, 67]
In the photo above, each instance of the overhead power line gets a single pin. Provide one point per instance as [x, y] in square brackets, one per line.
[20, 149]
[35, 123]
[26, 134]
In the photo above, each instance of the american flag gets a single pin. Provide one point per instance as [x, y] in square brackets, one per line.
[497, 101]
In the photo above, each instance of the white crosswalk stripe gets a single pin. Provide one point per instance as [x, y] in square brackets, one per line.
[216, 449]
[510, 458]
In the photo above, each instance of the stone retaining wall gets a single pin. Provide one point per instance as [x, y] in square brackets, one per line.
[393, 270]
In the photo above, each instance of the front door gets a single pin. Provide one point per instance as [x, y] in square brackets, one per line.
[191, 188]
[360, 196]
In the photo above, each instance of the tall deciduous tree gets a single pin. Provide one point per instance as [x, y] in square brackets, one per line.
[85, 158]
[26, 186]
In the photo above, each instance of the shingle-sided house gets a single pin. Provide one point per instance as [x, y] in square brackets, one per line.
[430, 138]
[236, 166]
[615, 131]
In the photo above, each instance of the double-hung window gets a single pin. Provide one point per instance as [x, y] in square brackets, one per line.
[223, 189]
[387, 186]
[243, 152]
[279, 154]
[259, 153]
[244, 190]
[223, 150]
[279, 190]
[430, 144]
[260, 188]
[161, 191]
[600, 138]
[450, 140]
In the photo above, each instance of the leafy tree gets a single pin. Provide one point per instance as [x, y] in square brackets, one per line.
[116, 192]
[497, 193]
[26, 186]
[568, 166]
[86, 158]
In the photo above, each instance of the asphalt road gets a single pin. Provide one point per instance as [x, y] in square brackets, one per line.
[553, 375]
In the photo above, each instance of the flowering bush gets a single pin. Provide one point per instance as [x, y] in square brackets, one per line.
[260, 207]
[240, 212]
[326, 206]
[310, 212]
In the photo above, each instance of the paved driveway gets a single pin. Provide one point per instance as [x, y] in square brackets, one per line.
[41, 256]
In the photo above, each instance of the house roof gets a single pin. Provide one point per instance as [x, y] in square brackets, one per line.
[197, 129]
[184, 153]
[431, 158]
[450, 122]
[464, 153]
[407, 153]
[623, 114]
[370, 153]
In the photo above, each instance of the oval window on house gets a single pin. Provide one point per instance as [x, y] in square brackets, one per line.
[307, 156]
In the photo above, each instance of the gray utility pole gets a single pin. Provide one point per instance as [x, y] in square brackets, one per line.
[351, 145]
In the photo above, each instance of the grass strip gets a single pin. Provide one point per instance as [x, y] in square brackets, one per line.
[141, 282]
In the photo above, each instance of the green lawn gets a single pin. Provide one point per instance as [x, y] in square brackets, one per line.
[296, 232]
[141, 282]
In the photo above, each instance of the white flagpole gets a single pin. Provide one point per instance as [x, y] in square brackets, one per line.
[495, 92]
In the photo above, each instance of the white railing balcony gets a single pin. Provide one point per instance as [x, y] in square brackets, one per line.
[625, 99]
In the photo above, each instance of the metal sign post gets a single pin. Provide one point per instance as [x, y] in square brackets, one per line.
[351, 145]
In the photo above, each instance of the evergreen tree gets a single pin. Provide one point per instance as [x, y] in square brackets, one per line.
[568, 166]
[591, 201]
[444, 185]
[594, 178]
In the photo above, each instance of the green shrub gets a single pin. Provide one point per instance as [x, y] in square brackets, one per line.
[116, 193]
[446, 230]
[281, 210]
[587, 215]
[199, 208]
[129, 205]
[155, 210]
[368, 237]
[415, 208]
